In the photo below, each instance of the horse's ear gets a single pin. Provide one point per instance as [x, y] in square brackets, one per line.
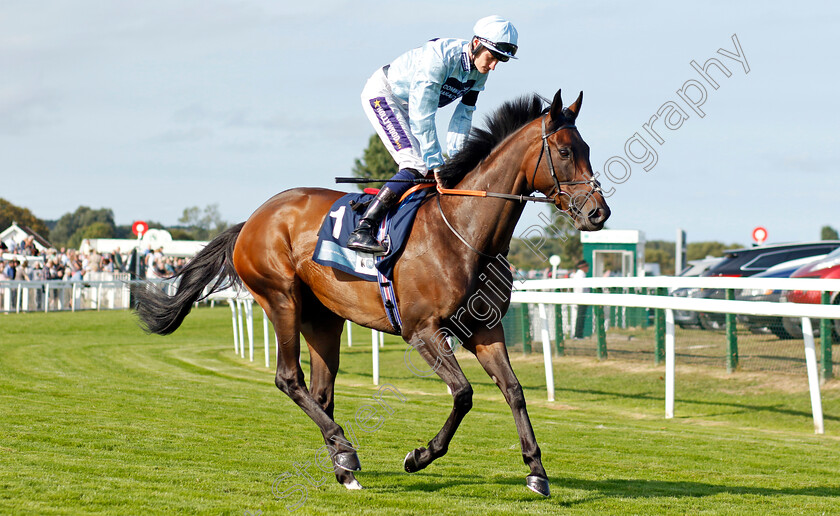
[573, 110]
[556, 110]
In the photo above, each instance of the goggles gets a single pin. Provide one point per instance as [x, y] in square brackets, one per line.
[501, 51]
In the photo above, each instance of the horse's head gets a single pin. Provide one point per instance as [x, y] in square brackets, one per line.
[563, 171]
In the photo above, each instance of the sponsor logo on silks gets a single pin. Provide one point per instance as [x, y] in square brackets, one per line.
[453, 89]
[465, 62]
[389, 122]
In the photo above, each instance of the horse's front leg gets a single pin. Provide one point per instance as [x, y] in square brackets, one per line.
[488, 345]
[433, 347]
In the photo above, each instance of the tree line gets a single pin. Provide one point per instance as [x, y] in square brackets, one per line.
[72, 228]
[375, 163]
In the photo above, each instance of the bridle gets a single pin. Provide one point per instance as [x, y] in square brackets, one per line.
[551, 197]
[545, 150]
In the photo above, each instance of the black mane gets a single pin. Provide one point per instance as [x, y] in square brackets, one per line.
[500, 124]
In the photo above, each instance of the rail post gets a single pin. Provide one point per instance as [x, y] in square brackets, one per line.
[631, 314]
[265, 339]
[546, 343]
[374, 346]
[349, 334]
[731, 337]
[526, 329]
[825, 342]
[239, 314]
[598, 322]
[670, 364]
[659, 330]
[232, 304]
[620, 311]
[559, 339]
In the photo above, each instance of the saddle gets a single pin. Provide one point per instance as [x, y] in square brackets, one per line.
[331, 249]
[343, 217]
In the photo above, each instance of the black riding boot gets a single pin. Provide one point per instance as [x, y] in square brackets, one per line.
[362, 238]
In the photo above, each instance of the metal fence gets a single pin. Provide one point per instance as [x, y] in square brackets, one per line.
[608, 293]
[623, 317]
[636, 332]
[112, 293]
[637, 339]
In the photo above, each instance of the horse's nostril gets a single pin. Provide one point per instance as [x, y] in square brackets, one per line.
[598, 215]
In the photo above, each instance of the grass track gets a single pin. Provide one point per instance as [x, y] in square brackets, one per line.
[96, 417]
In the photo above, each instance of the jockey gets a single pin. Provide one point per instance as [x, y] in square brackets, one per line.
[401, 99]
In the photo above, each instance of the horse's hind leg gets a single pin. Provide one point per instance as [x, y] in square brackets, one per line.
[322, 330]
[443, 363]
[285, 313]
[489, 347]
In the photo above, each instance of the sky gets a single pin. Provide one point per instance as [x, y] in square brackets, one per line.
[151, 107]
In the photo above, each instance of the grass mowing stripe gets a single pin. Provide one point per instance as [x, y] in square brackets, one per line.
[96, 417]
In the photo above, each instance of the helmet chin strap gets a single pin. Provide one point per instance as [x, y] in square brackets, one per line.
[477, 46]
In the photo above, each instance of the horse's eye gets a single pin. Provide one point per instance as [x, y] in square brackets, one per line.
[565, 153]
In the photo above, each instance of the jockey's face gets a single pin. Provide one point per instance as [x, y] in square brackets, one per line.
[485, 61]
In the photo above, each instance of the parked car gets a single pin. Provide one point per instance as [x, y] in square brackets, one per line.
[698, 267]
[684, 318]
[751, 261]
[769, 323]
[827, 268]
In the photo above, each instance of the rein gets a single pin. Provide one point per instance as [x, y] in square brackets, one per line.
[544, 150]
[551, 197]
[482, 193]
[455, 232]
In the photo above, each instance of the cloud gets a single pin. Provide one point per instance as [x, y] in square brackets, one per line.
[245, 129]
[803, 163]
[23, 111]
[186, 135]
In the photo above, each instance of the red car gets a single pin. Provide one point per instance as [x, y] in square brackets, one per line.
[827, 268]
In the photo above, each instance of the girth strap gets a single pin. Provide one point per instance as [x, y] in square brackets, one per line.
[386, 287]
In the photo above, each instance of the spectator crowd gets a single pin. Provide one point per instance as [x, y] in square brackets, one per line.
[22, 261]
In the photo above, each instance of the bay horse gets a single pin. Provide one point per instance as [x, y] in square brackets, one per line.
[444, 285]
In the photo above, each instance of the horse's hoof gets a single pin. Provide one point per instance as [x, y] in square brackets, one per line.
[354, 485]
[538, 485]
[411, 463]
[347, 461]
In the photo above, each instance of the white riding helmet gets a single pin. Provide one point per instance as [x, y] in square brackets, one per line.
[497, 35]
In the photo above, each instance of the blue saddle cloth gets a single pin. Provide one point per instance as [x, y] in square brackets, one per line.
[332, 250]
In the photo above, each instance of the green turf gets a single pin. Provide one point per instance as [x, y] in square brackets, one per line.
[96, 417]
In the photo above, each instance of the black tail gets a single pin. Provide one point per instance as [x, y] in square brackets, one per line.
[161, 313]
